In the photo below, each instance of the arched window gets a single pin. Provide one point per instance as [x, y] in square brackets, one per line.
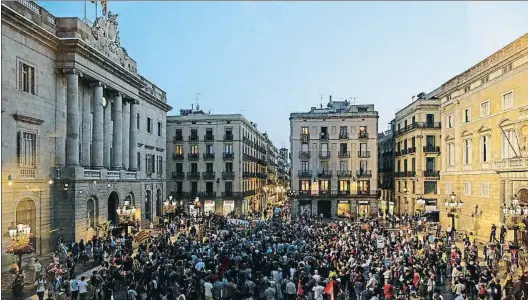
[90, 213]
[26, 213]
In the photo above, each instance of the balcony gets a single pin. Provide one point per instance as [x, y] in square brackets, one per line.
[228, 137]
[343, 154]
[178, 138]
[232, 195]
[343, 135]
[405, 174]
[305, 138]
[207, 194]
[431, 174]
[364, 173]
[411, 150]
[404, 151]
[431, 149]
[228, 156]
[88, 174]
[511, 164]
[209, 137]
[305, 174]
[228, 175]
[397, 153]
[324, 136]
[363, 154]
[304, 154]
[324, 154]
[344, 173]
[193, 175]
[193, 156]
[208, 175]
[193, 137]
[208, 156]
[178, 156]
[363, 135]
[324, 173]
[415, 125]
[178, 175]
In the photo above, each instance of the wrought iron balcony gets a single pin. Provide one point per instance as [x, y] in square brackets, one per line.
[405, 174]
[363, 135]
[364, 173]
[178, 138]
[178, 156]
[343, 135]
[344, 173]
[324, 136]
[305, 138]
[208, 175]
[193, 137]
[411, 150]
[304, 154]
[228, 137]
[228, 175]
[431, 149]
[415, 125]
[193, 156]
[193, 175]
[305, 174]
[324, 173]
[324, 154]
[178, 175]
[431, 174]
[229, 155]
[363, 154]
[343, 154]
[209, 137]
[208, 156]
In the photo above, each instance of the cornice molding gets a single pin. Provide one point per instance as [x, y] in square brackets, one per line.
[27, 119]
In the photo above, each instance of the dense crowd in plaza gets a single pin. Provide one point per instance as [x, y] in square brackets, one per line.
[289, 258]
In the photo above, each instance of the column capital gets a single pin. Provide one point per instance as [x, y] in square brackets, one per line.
[72, 71]
[98, 83]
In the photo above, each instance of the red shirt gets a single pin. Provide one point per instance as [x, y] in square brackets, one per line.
[387, 291]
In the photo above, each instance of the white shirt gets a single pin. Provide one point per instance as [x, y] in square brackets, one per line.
[41, 285]
[208, 289]
[318, 292]
[82, 287]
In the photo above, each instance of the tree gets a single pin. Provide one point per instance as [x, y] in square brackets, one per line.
[19, 246]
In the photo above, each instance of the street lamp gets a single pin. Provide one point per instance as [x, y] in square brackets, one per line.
[517, 214]
[127, 213]
[170, 207]
[421, 204]
[453, 207]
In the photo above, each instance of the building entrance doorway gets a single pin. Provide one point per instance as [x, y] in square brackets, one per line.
[324, 207]
[113, 203]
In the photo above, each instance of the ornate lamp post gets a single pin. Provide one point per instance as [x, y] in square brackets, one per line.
[127, 215]
[517, 214]
[170, 207]
[421, 204]
[453, 207]
[21, 241]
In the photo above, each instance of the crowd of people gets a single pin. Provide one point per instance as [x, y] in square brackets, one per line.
[305, 257]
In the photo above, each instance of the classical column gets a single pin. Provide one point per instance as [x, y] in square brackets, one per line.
[98, 119]
[72, 115]
[126, 137]
[107, 128]
[132, 147]
[84, 99]
[117, 139]
[60, 124]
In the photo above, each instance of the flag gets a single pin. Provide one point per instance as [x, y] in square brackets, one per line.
[329, 289]
[141, 236]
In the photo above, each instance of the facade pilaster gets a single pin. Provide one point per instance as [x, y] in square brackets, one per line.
[107, 134]
[133, 132]
[117, 138]
[98, 126]
[84, 100]
[72, 115]
[126, 135]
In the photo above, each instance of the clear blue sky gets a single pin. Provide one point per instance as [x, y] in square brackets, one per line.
[267, 59]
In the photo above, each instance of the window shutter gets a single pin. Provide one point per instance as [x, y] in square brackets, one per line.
[20, 75]
[146, 164]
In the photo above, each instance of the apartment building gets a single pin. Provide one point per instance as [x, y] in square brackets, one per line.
[334, 159]
[221, 159]
[82, 131]
[484, 114]
[417, 154]
[284, 168]
[386, 170]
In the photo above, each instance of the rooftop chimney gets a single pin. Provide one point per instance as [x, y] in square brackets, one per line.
[330, 98]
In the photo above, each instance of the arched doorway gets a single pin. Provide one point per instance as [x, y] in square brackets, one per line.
[26, 213]
[148, 206]
[158, 203]
[113, 204]
[92, 213]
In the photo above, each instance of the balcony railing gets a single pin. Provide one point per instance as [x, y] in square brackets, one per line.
[324, 136]
[363, 135]
[130, 175]
[228, 175]
[363, 154]
[405, 174]
[431, 149]
[324, 173]
[208, 156]
[178, 138]
[228, 137]
[228, 155]
[178, 175]
[404, 151]
[208, 175]
[193, 137]
[411, 150]
[338, 193]
[207, 194]
[113, 175]
[178, 156]
[343, 154]
[305, 174]
[193, 175]
[324, 154]
[415, 125]
[343, 135]
[344, 173]
[193, 156]
[435, 174]
[304, 154]
[305, 138]
[511, 164]
[91, 174]
[209, 137]
[364, 173]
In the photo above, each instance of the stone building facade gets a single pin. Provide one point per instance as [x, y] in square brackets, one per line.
[81, 130]
[334, 160]
[484, 114]
[386, 171]
[219, 158]
[417, 154]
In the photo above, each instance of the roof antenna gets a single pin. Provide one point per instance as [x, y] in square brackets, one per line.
[196, 99]
[321, 102]
[354, 100]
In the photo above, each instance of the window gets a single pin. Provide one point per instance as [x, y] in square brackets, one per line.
[450, 121]
[209, 168]
[305, 130]
[430, 164]
[507, 100]
[150, 163]
[228, 187]
[448, 188]
[414, 187]
[344, 185]
[467, 115]
[429, 187]
[26, 78]
[404, 165]
[467, 151]
[160, 165]
[149, 124]
[323, 185]
[485, 148]
[484, 189]
[467, 188]
[228, 148]
[305, 185]
[451, 154]
[139, 160]
[305, 166]
[334, 129]
[343, 130]
[137, 121]
[510, 144]
[179, 149]
[159, 128]
[179, 168]
[209, 149]
[485, 109]
[343, 165]
[194, 167]
[194, 149]
[413, 164]
[27, 149]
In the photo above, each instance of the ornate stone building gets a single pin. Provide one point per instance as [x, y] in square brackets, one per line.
[81, 130]
[484, 114]
[386, 170]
